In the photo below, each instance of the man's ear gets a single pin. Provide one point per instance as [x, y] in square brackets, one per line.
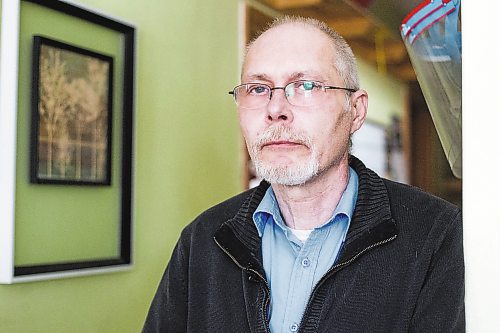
[359, 106]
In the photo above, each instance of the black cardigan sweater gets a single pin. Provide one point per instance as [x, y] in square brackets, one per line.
[401, 268]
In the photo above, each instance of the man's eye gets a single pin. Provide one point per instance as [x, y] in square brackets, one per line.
[257, 90]
[307, 85]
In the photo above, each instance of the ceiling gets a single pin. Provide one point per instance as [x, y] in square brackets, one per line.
[370, 38]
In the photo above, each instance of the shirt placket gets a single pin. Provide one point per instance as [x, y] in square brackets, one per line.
[301, 281]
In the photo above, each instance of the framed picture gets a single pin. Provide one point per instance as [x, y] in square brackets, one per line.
[71, 114]
[66, 118]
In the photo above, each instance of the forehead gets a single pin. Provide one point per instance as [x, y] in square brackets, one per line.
[292, 49]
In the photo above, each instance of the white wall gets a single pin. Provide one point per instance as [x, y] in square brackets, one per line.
[481, 152]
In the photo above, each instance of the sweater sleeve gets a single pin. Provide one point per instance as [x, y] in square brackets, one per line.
[440, 306]
[168, 311]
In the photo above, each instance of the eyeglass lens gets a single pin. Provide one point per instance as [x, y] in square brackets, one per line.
[299, 93]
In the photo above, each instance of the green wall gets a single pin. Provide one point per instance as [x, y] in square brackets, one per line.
[186, 159]
[386, 95]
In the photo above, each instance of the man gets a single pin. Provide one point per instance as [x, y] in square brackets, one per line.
[329, 246]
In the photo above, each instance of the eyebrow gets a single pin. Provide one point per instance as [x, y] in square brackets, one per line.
[306, 74]
[258, 77]
[292, 77]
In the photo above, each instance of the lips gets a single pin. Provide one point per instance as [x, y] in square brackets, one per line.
[281, 144]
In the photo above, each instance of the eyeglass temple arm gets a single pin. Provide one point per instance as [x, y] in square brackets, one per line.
[340, 88]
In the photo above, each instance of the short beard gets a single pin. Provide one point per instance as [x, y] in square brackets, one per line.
[290, 175]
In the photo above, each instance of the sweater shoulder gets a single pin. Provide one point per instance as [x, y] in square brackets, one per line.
[410, 199]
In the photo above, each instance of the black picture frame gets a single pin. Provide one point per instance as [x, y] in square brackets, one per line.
[124, 258]
[71, 126]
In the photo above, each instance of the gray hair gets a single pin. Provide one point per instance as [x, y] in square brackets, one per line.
[345, 62]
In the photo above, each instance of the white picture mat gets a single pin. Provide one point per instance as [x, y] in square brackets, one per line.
[9, 51]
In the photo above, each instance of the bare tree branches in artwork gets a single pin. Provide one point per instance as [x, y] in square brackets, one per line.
[53, 98]
[73, 115]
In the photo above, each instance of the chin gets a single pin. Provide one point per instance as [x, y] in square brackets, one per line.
[289, 175]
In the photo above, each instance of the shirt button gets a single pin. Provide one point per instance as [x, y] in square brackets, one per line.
[306, 262]
[294, 327]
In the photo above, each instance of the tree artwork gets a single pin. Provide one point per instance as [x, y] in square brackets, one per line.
[73, 112]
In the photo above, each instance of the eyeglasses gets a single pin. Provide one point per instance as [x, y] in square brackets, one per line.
[297, 93]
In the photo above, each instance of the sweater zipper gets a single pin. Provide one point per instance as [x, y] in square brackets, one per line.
[333, 268]
[266, 286]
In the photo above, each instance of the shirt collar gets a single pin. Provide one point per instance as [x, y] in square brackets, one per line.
[268, 208]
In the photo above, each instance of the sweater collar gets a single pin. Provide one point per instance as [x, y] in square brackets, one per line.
[372, 222]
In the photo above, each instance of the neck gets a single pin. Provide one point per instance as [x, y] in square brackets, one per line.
[311, 204]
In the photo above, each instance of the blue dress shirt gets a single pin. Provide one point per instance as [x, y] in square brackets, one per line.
[293, 268]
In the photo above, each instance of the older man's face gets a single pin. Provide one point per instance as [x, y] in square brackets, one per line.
[289, 144]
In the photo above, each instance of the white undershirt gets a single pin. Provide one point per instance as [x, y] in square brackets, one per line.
[302, 235]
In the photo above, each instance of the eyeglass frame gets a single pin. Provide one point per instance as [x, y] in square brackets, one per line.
[271, 89]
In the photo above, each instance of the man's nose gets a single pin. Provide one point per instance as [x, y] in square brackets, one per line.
[278, 108]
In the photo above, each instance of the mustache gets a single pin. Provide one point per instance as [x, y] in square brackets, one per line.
[280, 133]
